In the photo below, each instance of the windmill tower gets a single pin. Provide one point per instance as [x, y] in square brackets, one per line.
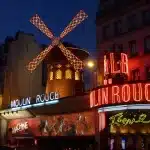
[64, 61]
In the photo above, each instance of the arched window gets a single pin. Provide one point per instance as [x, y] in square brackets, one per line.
[68, 74]
[51, 74]
[58, 74]
[77, 75]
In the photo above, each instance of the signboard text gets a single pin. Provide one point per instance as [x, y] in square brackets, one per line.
[118, 94]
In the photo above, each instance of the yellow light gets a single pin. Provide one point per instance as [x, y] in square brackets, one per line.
[90, 64]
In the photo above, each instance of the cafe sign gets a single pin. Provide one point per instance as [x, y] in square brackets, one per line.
[39, 100]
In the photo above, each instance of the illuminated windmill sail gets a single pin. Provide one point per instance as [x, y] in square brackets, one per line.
[74, 61]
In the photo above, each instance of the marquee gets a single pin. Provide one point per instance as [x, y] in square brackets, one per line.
[40, 100]
[120, 94]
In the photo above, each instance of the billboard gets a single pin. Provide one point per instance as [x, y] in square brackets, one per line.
[59, 125]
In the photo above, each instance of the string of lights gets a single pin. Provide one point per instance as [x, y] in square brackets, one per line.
[76, 62]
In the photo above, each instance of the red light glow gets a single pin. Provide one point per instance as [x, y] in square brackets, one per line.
[102, 121]
[110, 64]
[118, 94]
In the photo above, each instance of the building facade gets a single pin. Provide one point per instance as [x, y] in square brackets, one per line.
[63, 111]
[123, 32]
[124, 26]
[19, 82]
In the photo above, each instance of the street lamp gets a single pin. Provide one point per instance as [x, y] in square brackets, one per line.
[90, 64]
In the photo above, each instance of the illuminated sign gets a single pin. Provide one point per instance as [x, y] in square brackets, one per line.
[118, 94]
[38, 101]
[119, 119]
[20, 127]
[113, 66]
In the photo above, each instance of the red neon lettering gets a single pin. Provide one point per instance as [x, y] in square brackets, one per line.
[147, 97]
[137, 92]
[105, 95]
[92, 99]
[105, 82]
[124, 63]
[99, 97]
[126, 93]
[106, 66]
[110, 81]
[115, 94]
[112, 64]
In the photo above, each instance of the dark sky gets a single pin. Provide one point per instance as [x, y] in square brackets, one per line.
[15, 15]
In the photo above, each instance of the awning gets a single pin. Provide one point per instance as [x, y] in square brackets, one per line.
[9, 114]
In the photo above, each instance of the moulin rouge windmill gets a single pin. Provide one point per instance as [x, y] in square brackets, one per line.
[56, 41]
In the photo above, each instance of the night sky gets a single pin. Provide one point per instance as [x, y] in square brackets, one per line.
[15, 15]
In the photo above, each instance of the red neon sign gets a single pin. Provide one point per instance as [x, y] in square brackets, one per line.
[110, 64]
[117, 94]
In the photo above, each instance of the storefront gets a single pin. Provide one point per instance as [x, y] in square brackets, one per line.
[29, 121]
[124, 117]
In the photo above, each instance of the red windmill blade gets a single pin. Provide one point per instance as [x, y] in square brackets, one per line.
[37, 60]
[74, 61]
[80, 17]
[37, 21]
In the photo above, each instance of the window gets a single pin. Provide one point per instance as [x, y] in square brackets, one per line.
[68, 74]
[147, 70]
[147, 44]
[105, 32]
[132, 47]
[146, 17]
[77, 75]
[135, 75]
[58, 74]
[51, 75]
[117, 27]
[132, 22]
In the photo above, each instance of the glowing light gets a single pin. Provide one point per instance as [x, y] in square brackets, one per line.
[102, 121]
[119, 119]
[81, 16]
[35, 105]
[126, 93]
[58, 74]
[107, 95]
[68, 74]
[37, 21]
[106, 69]
[77, 75]
[115, 94]
[147, 97]
[124, 107]
[90, 64]
[110, 63]
[137, 92]
[40, 100]
[124, 63]
[104, 95]
[51, 75]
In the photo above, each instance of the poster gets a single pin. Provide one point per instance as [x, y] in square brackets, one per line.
[59, 125]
